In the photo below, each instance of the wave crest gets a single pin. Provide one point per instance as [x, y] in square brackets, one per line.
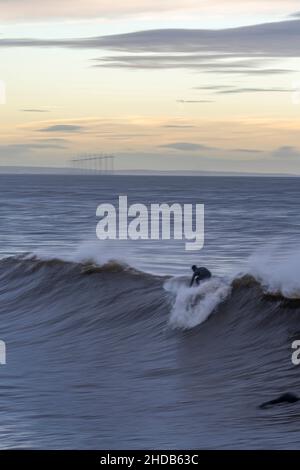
[278, 275]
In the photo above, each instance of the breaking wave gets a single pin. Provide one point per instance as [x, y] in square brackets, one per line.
[89, 279]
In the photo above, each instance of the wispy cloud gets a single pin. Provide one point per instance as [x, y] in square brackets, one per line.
[34, 110]
[231, 90]
[192, 147]
[217, 64]
[188, 61]
[243, 150]
[186, 146]
[194, 101]
[65, 128]
[259, 72]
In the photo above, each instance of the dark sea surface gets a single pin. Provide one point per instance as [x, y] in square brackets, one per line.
[108, 347]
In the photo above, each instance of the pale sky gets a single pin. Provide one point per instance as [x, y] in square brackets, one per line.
[164, 85]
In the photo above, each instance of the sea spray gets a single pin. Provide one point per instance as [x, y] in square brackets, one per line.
[88, 252]
[191, 306]
[277, 270]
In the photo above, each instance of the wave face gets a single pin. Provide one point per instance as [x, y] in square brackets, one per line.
[92, 343]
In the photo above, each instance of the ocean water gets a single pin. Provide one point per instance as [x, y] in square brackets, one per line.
[108, 347]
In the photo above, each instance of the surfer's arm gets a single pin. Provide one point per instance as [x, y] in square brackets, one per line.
[192, 280]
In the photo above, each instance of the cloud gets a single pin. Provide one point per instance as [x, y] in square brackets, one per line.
[242, 50]
[33, 110]
[213, 87]
[230, 90]
[188, 61]
[212, 63]
[255, 90]
[286, 151]
[264, 72]
[269, 39]
[263, 40]
[243, 150]
[66, 128]
[186, 146]
[193, 101]
[178, 126]
[192, 147]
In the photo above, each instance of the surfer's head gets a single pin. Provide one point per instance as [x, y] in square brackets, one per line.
[194, 267]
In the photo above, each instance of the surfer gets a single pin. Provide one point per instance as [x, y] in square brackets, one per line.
[200, 274]
[285, 398]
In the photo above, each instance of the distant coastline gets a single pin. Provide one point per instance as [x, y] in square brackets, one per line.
[35, 170]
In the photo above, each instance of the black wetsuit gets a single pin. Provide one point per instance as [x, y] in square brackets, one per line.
[199, 275]
[285, 398]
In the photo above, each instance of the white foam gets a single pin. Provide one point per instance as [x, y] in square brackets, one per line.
[193, 305]
[97, 252]
[278, 270]
[87, 252]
